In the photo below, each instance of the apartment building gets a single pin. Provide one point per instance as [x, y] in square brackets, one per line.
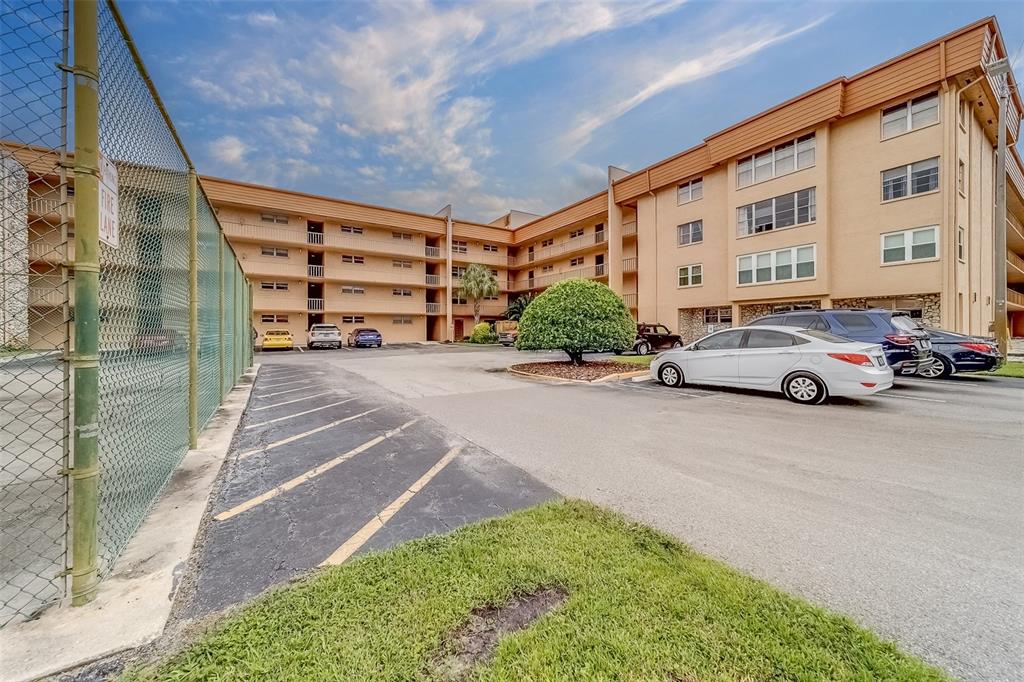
[871, 190]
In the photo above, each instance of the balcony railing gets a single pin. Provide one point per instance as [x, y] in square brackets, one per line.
[482, 257]
[314, 271]
[46, 206]
[629, 228]
[555, 250]
[547, 280]
[316, 304]
[1015, 260]
[1015, 298]
[432, 280]
[280, 267]
[432, 251]
[630, 300]
[503, 284]
[314, 237]
[489, 309]
[629, 264]
[46, 297]
[434, 308]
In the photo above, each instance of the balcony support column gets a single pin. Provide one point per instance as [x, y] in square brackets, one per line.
[614, 232]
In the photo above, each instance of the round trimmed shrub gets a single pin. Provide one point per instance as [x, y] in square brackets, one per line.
[576, 315]
[482, 333]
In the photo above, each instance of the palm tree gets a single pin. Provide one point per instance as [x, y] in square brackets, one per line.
[515, 308]
[477, 283]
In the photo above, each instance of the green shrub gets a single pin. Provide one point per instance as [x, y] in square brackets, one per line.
[576, 315]
[482, 333]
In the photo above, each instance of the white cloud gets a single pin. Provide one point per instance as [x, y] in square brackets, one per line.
[292, 133]
[268, 18]
[372, 172]
[228, 150]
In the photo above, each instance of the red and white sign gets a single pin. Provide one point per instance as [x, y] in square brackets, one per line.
[109, 226]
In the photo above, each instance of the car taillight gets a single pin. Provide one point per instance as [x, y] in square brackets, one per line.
[979, 347]
[901, 339]
[852, 358]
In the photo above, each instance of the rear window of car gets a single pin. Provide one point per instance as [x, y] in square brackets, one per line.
[806, 322]
[776, 320]
[324, 328]
[855, 322]
[366, 331]
[905, 323]
[824, 336]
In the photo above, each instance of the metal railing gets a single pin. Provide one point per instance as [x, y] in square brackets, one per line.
[629, 228]
[314, 237]
[489, 308]
[432, 280]
[315, 304]
[432, 251]
[629, 264]
[547, 280]
[315, 271]
[560, 249]
[629, 299]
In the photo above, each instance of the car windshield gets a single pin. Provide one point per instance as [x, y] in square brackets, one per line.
[905, 323]
[824, 336]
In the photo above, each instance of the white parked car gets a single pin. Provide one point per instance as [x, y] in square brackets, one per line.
[806, 365]
[324, 336]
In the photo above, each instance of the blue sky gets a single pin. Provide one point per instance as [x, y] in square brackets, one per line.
[498, 105]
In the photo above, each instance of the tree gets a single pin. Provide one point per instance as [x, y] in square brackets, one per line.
[515, 309]
[576, 315]
[477, 283]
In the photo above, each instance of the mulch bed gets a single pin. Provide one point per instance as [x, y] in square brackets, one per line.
[588, 371]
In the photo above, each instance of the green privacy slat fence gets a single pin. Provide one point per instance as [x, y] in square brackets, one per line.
[143, 330]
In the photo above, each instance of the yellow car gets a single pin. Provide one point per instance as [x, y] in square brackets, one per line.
[280, 339]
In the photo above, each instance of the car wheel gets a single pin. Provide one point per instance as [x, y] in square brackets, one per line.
[940, 369]
[670, 375]
[643, 348]
[677, 344]
[804, 388]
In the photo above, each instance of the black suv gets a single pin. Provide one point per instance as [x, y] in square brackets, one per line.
[653, 337]
[906, 346]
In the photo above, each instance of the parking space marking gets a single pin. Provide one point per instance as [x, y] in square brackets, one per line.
[299, 414]
[289, 402]
[299, 436]
[912, 397]
[311, 474]
[352, 545]
[285, 383]
[290, 390]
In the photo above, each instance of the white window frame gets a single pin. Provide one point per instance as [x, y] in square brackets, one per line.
[460, 246]
[402, 236]
[774, 264]
[693, 270]
[961, 177]
[351, 229]
[274, 251]
[773, 154]
[353, 319]
[690, 191]
[961, 244]
[578, 261]
[689, 227]
[574, 234]
[404, 293]
[741, 218]
[401, 319]
[491, 248]
[907, 108]
[276, 218]
[544, 243]
[908, 179]
[274, 286]
[719, 312]
[547, 268]
[908, 246]
[401, 264]
[352, 259]
[350, 289]
[273, 319]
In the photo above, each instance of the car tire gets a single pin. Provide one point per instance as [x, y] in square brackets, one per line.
[677, 344]
[643, 348]
[940, 369]
[804, 388]
[671, 375]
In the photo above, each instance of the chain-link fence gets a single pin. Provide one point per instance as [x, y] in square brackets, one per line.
[168, 317]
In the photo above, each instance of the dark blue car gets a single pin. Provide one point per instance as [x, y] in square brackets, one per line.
[907, 347]
[365, 336]
[955, 353]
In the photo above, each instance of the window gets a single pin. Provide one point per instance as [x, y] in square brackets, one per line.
[404, 264]
[780, 212]
[355, 260]
[914, 178]
[691, 275]
[776, 266]
[275, 218]
[965, 112]
[402, 236]
[278, 286]
[402, 319]
[546, 242]
[491, 248]
[351, 229]
[275, 251]
[961, 178]
[402, 292]
[690, 191]
[767, 338]
[722, 341]
[910, 245]
[576, 233]
[911, 115]
[575, 262]
[459, 247]
[718, 315]
[547, 268]
[961, 246]
[785, 158]
[353, 319]
[349, 289]
[274, 319]
[491, 298]
[458, 300]
[691, 233]
[458, 270]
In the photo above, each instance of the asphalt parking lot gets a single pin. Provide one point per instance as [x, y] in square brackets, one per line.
[902, 510]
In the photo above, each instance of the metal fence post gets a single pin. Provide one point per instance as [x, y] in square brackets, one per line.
[220, 312]
[85, 360]
[193, 311]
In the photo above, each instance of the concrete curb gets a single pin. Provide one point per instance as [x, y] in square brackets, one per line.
[621, 376]
[135, 601]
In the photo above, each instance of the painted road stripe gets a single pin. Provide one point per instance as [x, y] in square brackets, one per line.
[299, 436]
[289, 402]
[299, 414]
[290, 390]
[289, 375]
[286, 383]
[910, 397]
[353, 544]
[309, 475]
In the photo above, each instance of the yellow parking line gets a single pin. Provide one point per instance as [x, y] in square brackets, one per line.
[299, 414]
[311, 474]
[292, 439]
[289, 402]
[353, 544]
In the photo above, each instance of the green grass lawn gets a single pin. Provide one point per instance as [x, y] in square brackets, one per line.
[1010, 369]
[641, 606]
[644, 360]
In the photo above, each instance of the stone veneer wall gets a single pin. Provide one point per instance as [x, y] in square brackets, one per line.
[691, 324]
[930, 304]
[749, 313]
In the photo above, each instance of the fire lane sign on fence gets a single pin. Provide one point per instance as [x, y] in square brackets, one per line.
[109, 232]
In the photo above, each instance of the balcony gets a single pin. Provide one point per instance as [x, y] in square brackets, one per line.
[48, 207]
[556, 250]
[46, 296]
[486, 309]
[315, 238]
[1014, 300]
[315, 304]
[433, 280]
[503, 284]
[356, 274]
[543, 281]
[316, 271]
[629, 264]
[432, 252]
[482, 257]
[278, 302]
[387, 305]
[277, 267]
[1014, 268]
[1014, 234]
[263, 233]
[629, 229]
[630, 300]
[435, 308]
